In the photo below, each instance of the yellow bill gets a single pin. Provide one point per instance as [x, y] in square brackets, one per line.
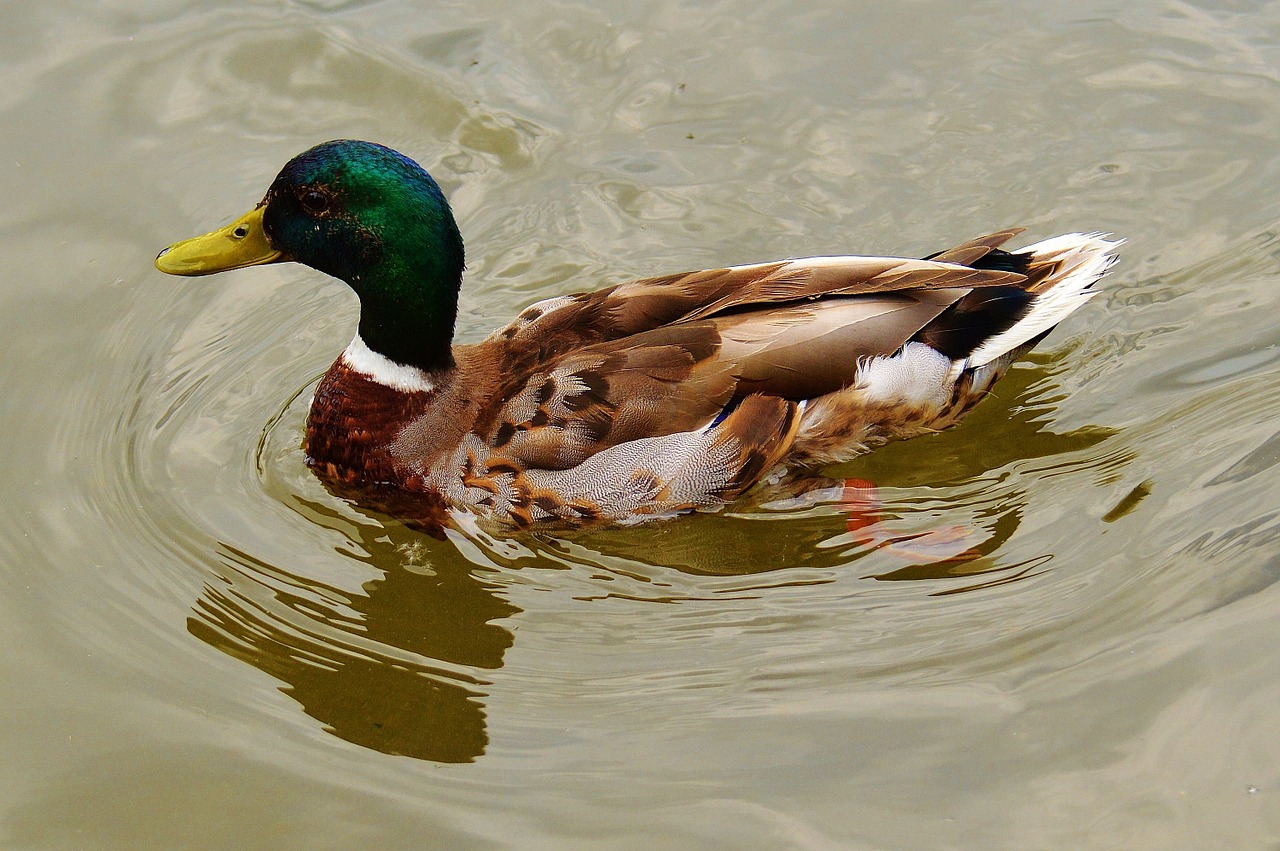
[241, 243]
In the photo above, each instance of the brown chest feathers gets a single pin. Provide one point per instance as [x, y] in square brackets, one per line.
[352, 425]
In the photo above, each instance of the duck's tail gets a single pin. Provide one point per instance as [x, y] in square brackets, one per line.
[991, 322]
[951, 363]
[1060, 273]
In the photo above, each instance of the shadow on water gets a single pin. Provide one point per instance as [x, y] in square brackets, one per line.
[386, 668]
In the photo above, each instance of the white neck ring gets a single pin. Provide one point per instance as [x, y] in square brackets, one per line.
[380, 368]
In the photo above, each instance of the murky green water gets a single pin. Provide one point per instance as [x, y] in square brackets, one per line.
[204, 649]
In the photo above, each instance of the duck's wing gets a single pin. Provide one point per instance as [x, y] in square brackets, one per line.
[689, 375]
[557, 325]
[666, 355]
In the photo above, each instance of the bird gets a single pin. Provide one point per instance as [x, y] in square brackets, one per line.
[638, 401]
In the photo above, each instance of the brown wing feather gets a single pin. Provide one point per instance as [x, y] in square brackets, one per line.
[805, 351]
[560, 324]
[968, 253]
[762, 430]
[663, 381]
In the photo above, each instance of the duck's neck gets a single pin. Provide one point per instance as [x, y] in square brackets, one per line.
[408, 309]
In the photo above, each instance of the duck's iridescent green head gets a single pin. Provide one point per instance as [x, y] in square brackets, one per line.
[367, 215]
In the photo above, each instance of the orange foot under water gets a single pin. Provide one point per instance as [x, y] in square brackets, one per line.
[860, 500]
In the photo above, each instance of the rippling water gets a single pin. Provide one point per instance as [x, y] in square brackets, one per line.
[1053, 626]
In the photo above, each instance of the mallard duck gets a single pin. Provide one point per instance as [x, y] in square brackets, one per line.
[640, 400]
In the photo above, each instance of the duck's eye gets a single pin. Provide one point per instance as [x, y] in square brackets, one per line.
[315, 202]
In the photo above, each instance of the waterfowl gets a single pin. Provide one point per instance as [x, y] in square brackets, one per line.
[643, 399]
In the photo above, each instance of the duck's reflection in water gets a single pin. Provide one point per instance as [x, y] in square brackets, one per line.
[396, 666]
[398, 663]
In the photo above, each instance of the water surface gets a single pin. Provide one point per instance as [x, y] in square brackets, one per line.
[204, 648]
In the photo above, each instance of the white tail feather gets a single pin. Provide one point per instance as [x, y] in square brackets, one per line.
[1083, 258]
